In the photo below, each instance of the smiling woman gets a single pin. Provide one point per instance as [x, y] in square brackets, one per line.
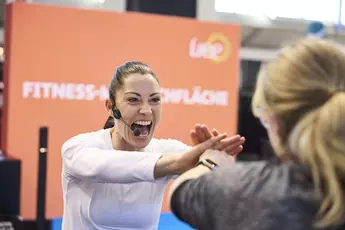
[100, 169]
[134, 97]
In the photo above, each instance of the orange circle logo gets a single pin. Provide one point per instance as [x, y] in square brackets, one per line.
[221, 45]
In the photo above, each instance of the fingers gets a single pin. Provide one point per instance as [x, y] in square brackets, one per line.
[200, 133]
[206, 132]
[231, 145]
[215, 132]
[228, 142]
[194, 137]
[209, 143]
[234, 151]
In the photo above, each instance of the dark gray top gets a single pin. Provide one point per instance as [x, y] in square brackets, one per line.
[249, 195]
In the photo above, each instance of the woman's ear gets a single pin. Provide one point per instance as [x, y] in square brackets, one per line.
[109, 107]
[274, 124]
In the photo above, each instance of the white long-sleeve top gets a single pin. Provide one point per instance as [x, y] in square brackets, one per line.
[105, 188]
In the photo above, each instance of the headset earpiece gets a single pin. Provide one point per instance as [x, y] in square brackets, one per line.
[117, 114]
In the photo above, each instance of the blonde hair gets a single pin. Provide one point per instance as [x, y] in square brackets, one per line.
[305, 89]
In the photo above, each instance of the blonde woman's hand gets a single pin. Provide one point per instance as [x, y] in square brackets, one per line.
[190, 158]
[221, 158]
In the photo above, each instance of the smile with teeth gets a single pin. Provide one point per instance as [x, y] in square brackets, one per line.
[143, 126]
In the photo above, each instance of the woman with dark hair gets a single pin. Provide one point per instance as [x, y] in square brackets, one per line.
[115, 178]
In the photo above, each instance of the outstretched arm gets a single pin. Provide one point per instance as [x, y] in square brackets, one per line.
[86, 160]
[195, 195]
[83, 159]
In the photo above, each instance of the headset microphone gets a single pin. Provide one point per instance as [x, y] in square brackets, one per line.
[118, 116]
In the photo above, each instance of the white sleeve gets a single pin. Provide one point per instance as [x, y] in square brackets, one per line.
[170, 146]
[84, 159]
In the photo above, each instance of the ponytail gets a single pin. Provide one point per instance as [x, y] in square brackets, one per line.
[317, 141]
[109, 123]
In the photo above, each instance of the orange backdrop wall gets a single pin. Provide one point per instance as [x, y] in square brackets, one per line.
[59, 62]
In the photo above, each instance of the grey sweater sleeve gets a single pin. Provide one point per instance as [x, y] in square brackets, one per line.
[237, 196]
[201, 201]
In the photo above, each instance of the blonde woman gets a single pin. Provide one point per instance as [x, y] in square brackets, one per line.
[300, 99]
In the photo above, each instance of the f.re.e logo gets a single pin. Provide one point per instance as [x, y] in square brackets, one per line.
[216, 48]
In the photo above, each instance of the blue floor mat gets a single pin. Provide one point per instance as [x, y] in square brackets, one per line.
[167, 222]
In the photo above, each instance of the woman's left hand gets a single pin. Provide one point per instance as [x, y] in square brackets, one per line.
[231, 145]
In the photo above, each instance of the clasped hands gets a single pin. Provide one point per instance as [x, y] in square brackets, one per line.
[214, 146]
[229, 145]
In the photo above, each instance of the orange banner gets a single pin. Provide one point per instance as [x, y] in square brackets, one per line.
[59, 62]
